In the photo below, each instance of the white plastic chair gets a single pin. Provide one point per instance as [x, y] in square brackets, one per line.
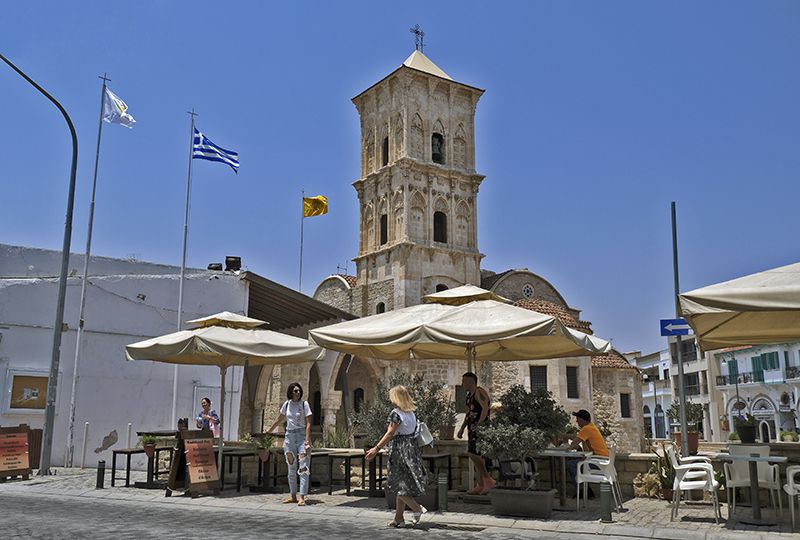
[604, 472]
[792, 487]
[692, 475]
[737, 474]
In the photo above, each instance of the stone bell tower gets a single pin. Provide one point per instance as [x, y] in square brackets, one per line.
[418, 189]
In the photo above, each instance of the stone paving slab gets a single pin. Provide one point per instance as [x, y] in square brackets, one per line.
[644, 518]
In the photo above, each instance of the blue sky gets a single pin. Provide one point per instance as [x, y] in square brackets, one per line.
[595, 117]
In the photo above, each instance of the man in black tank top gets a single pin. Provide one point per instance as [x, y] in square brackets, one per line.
[476, 416]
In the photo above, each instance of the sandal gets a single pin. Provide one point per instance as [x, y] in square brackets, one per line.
[301, 503]
[397, 524]
[418, 515]
[289, 500]
[487, 487]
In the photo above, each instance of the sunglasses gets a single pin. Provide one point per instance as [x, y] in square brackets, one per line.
[297, 390]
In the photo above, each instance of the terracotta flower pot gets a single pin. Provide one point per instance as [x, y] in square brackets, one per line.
[667, 494]
[694, 440]
[263, 454]
[150, 450]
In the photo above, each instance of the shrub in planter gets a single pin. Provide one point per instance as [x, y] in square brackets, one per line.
[149, 444]
[747, 428]
[433, 407]
[662, 468]
[733, 437]
[260, 443]
[694, 415]
[789, 436]
[524, 425]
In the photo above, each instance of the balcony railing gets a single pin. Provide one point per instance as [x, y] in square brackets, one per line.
[744, 378]
[691, 390]
[792, 372]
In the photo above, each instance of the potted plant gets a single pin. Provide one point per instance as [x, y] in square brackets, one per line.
[694, 415]
[149, 445]
[789, 436]
[261, 443]
[524, 426]
[448, 429]
[733, 437]
[747, 428]
[662, 467]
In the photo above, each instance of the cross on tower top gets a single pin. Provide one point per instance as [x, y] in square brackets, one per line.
[419, 36]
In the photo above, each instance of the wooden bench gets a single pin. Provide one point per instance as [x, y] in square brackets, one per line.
[128, 453]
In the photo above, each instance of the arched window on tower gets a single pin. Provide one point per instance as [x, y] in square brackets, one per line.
[439, 227]
[384, 229]
[441, 287]
[358, 399]
[380, 308]
[385, 152]
[437, 148]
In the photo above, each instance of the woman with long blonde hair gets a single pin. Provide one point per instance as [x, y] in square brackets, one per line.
[406, 473]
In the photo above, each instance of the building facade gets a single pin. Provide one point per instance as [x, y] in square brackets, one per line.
[418, 200]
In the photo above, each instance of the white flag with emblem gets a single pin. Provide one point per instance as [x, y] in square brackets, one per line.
[115, 111]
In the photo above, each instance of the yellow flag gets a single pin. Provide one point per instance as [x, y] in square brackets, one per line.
[315, 206]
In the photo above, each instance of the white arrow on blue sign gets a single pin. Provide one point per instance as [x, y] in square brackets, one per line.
[675, 327]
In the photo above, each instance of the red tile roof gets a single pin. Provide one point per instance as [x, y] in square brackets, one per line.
[351, 280]
[613, 360]
[554, 310]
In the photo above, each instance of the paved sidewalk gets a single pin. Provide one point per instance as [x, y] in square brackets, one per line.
[644, 518]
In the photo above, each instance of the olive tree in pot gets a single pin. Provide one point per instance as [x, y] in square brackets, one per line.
[694, 415]
[747, 428]
[525, 424]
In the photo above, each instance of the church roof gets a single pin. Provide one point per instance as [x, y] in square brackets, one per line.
[613, 360]
[554, 310]
[351, 280]
[420, 62]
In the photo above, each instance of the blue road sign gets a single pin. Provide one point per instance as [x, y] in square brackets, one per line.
[675, 327]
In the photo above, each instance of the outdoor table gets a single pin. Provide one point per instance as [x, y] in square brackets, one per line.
[238, 454]
[753, 460]
[263, 485]
[347, 456]
[152, 468]
[563, 454]
[433, 458]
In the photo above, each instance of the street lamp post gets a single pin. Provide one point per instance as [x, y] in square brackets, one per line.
[50, 410]
[735, 382]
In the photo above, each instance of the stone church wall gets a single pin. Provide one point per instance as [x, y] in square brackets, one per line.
[335, 293]
[609, 383]
[511, 288]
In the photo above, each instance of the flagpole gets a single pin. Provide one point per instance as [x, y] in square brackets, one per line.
[192, 114]
[302, 221]
[68, 459]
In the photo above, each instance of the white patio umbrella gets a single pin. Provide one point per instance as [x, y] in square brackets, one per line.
[223, 340]
[759, 308]
[462, 321]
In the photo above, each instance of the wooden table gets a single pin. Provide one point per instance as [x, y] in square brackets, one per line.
[347, 456]
[753, 460]
[152, 468]
[263, 469]
[238, 454]
[563, 454]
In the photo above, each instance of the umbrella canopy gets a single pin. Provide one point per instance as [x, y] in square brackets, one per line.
[759, 308]
[462, 321]
[223, 340]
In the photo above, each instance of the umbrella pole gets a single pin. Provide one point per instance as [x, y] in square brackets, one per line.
[222, 371]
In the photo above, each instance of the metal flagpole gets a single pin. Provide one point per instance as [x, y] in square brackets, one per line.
[681, 389]
[192, 114]
[302, 221]
[68, 460]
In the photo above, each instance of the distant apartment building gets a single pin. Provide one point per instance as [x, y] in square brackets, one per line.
[762, 380]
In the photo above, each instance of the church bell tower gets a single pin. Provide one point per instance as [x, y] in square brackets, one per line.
[418, 189]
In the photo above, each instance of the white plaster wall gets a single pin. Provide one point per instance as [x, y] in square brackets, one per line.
[112, 391]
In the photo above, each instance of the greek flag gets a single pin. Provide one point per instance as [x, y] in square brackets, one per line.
[203, 148]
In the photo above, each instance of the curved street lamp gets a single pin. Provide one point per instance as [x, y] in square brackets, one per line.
[50, 410]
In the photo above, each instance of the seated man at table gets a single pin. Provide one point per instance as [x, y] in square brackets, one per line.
[589, 439]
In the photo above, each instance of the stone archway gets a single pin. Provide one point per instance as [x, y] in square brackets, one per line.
[353, 380]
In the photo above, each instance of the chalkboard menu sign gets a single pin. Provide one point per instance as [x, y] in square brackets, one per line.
[194, 468]
[14, 457]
